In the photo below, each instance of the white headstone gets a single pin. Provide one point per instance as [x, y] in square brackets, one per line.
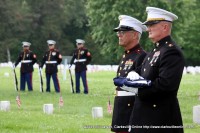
[5, 105]
[6, 74]
[48, 108]
[97, 112]
[196, 114]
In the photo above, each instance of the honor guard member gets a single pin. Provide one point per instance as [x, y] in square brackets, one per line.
[81, 58]
[27, 59]
[52, 58]
[129, 32]
[157, 106]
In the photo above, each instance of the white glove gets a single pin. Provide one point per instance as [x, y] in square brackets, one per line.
[134, 76]
[130, 89]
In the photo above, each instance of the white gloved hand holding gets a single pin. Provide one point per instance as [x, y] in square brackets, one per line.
[133, 76]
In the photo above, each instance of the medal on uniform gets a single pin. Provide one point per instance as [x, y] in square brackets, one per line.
[156, 54]
[129, 63]
[155, 57]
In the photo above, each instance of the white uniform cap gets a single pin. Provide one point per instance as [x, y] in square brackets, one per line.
[51, 42]
[129, 23]
[80, 41]
[156, 15]
[26, 44]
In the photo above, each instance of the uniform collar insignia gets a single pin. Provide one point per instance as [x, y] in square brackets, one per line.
[133, 49]
[167, 39]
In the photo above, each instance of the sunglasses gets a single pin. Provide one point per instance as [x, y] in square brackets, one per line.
[122, 32]
[79, 43]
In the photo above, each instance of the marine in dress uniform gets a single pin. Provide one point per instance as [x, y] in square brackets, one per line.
[81, 58]
[52, 58]
[128, 32]
[27, 59]
[156, 108]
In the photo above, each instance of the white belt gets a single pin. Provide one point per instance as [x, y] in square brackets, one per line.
[51, 62]
[26, 61]
[80, 60]
[124, 93]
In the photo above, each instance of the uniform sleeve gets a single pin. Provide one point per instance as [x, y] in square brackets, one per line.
[34, 58]
[18, 59]
[169, 73]
[73, 58]
[88, 57]
[43, 61]
[138, 63]
[59, 58]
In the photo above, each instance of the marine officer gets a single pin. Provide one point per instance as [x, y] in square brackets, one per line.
[129, 33]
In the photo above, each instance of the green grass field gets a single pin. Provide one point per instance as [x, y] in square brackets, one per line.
[76, 114]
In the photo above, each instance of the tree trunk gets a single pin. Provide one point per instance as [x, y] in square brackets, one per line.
[8, 54]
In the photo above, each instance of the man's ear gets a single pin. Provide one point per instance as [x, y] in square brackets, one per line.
[134, 35]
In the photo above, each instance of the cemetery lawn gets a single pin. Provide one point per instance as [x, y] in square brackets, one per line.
[76, 114]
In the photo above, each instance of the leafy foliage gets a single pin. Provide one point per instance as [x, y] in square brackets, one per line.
[103, 17]
[37, 21]
[66, 20]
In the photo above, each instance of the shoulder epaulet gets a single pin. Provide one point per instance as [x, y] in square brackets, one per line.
[139, 51]
[169, 44]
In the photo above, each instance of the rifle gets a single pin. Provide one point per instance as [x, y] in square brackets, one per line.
[72, 83]
[41, 80]
[15, 78]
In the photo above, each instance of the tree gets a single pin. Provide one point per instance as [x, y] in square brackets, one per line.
[94, 21]
[103, 17]
[12, 25]
[60, 20]
[190, 32]
[37, 21]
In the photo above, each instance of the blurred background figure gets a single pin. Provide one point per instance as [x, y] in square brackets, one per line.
[129, 32]
[81, 58]
[52, 58]
[27, 59]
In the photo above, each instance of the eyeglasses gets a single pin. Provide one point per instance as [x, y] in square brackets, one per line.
[50, 44]
[122, 33]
